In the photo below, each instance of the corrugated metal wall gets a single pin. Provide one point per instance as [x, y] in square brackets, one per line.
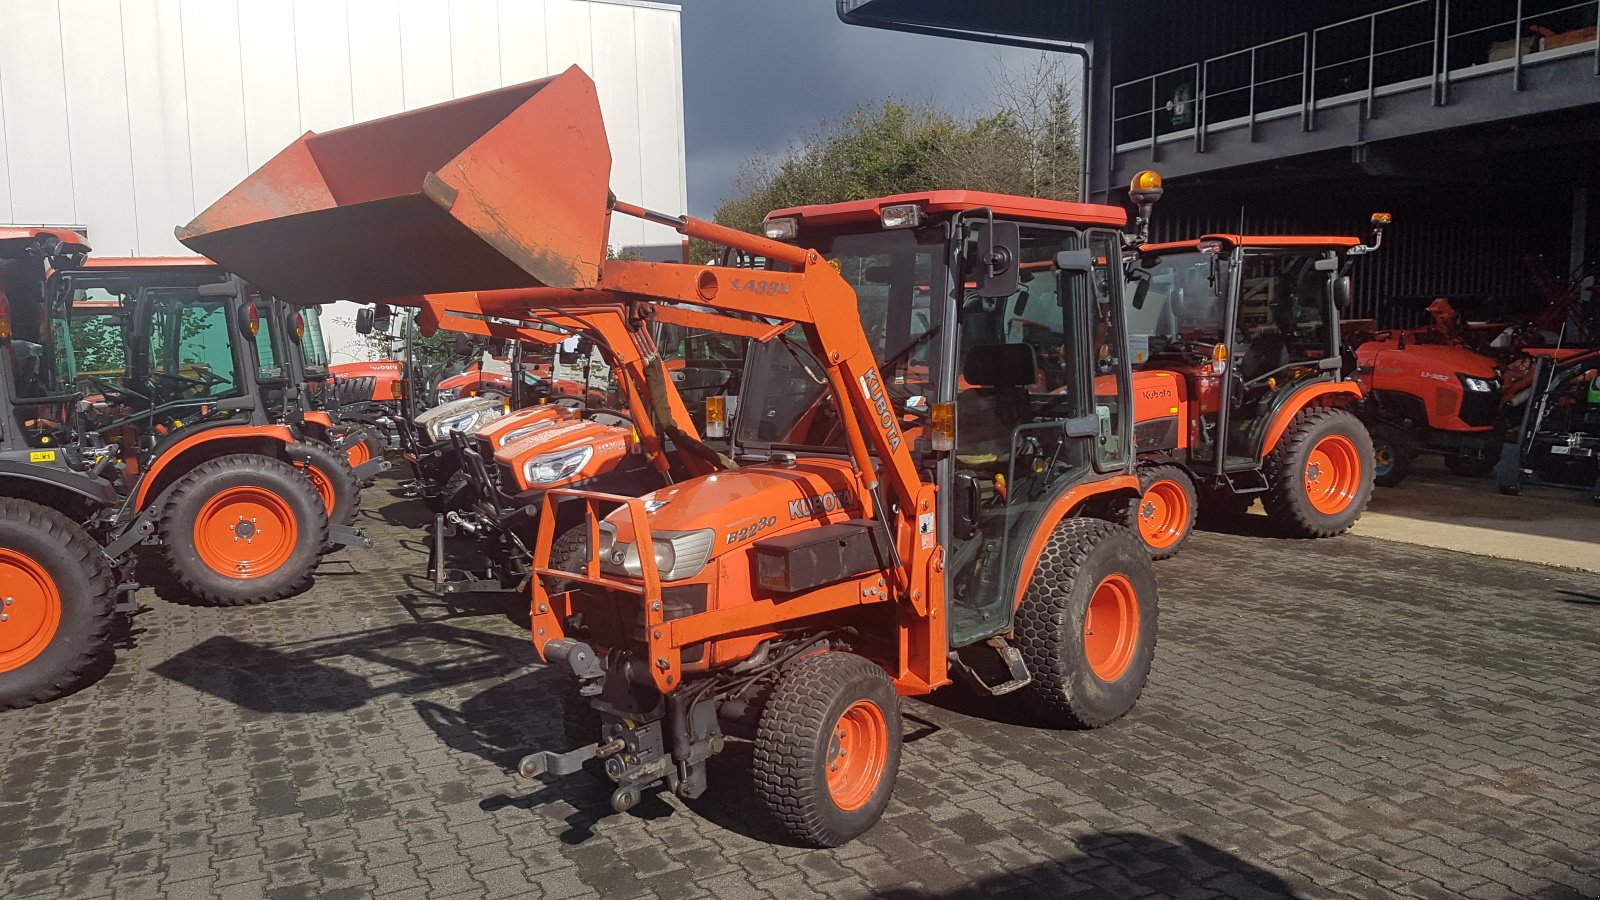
[128, 116]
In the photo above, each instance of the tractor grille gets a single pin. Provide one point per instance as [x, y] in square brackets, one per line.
[1478, 408]
[1156, 434]
[616, 619]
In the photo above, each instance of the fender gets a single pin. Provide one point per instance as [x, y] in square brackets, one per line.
[1300, 400]
[1073, 498]
[162, 464]
[318, 417]
[95, 490]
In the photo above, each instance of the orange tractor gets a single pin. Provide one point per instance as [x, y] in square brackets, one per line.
[1240, 386]
[859, 545]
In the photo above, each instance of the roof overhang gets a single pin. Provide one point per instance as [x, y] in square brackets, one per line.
[993, 21]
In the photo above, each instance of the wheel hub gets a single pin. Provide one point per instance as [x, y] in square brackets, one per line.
[1147, 510]
[1314, 473]
[245, 530]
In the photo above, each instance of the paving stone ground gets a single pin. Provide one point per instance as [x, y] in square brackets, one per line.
[1335, 718]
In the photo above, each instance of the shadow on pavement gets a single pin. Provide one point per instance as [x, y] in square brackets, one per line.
[1121, 864]
[405, 659]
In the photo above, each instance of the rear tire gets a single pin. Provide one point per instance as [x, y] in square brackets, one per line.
[1320, 474]
[828, 748]
[331, 477]
[1087, 624]
[57, 594]
[1164, 514]
[212, 526]
[458, 493]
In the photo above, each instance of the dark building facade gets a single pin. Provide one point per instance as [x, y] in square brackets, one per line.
[1475, 122]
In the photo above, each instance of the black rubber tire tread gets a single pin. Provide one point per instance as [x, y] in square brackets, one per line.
[791, 744]
[458, 492]
[87, 585]
[176, 530]
[1079, 554]
[366, 434]
[1149, 475]
[1402, 459]
[332, 464]
[1285, 501]
[1470, 466]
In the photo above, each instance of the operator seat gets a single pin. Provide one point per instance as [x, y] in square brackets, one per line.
[994, 402]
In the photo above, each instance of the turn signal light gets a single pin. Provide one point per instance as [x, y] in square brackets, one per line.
[942, 426]
[252, 320]
[1219, 359]
[5, 318]
[1382, 218]
[297, 327]
[716, 417]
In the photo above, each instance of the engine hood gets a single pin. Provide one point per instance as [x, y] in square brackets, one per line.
[561, 436]
[456, 408]
[742, 504]
[495, 432]
[1388, 357]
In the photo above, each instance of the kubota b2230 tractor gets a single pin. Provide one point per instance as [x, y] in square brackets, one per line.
[1240, 387]
[861, 548]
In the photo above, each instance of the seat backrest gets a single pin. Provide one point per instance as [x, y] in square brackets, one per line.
[1000, 365]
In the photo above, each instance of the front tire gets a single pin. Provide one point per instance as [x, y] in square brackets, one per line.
[1163, 516]
[1391, 462]
[331, 477]
[243, 528]
[1320, 474]
[1087, 624]
[828, 748]
[57, 597]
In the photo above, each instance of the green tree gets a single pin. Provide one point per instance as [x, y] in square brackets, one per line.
[1025, 142]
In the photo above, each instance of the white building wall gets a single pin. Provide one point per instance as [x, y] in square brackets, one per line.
[127, 117]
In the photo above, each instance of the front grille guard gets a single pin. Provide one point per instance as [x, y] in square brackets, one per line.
[550, 611]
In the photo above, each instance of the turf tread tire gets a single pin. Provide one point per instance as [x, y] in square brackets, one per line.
[1285, 500]
[1078, 555]
[1149, 475]
[791, 745]
[209, 587]
[87, 584]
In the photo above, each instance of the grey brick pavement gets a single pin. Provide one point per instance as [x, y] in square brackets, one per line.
[1333, 718]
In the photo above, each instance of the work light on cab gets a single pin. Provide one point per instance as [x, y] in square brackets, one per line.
[716, 417]
[781, 229]
[905, 215]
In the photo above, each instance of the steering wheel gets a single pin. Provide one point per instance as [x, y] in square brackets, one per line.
[207, 383]
[110, 388]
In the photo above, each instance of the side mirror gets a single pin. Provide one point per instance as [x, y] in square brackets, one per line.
[1019, 307]
[1141, 288]
[221, 289]
[382, 317]
[463, 344]
[1343, 293]
[994, 263]
[1081, 261]
[967, 506]
[364, 320]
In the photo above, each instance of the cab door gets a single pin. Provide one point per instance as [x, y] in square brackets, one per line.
[1041, 405]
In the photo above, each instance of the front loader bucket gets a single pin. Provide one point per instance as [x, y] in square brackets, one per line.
[503, 189]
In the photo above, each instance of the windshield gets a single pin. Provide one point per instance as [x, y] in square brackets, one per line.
[312, 343]
[894, 274]
[1175, 298]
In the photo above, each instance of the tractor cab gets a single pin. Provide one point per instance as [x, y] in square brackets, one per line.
[37, 402]
[996, 322]
[1246, 322]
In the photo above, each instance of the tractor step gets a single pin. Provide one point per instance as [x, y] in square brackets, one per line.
[1248, 481]
[1015, 670]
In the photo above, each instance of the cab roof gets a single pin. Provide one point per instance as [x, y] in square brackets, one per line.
[148, 262]
[13, 239]
[936, 202]
[1258, 240]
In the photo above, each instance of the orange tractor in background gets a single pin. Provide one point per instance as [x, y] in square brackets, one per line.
[852, 550]
[1240, 386]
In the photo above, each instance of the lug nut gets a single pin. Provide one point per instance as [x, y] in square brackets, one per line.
[662, 664]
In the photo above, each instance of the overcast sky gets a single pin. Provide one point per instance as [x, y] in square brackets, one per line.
[756, 73]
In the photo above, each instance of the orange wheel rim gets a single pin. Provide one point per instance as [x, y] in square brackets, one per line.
[245, 532]
[857, 754]
[323, 484]
[357, 453]
[1333, 474]
[1163, 514]
[30, 609]
[1111, 628]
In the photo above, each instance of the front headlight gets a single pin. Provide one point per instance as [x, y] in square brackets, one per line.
[466, 421]
[553, 467]
[679, 554]
[520, 433]
[1481, 385]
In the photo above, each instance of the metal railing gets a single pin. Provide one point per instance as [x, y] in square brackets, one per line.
[1419, 44]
